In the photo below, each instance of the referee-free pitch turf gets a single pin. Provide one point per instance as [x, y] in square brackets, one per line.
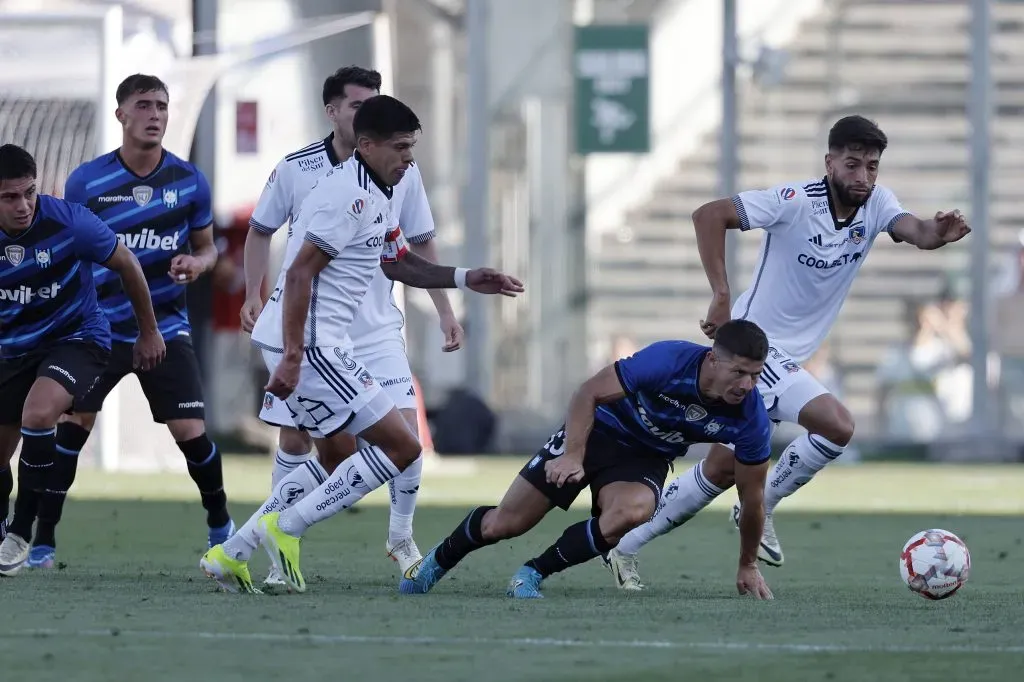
[129, 602]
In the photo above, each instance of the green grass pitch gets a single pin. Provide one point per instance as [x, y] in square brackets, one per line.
[130, 603]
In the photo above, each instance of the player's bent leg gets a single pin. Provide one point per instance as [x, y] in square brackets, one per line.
[294, 446]
[46, 401]
[205, 468]
[830, 429]
[403, 491]
[71, 438]
[624, 505]
[10, 436]
[682, 500]
[522, 508]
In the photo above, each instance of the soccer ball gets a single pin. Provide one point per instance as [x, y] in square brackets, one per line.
[935, 563]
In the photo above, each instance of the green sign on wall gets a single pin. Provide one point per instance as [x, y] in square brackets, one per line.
[611, 68]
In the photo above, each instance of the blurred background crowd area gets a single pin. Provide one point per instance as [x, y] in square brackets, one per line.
[568, 142]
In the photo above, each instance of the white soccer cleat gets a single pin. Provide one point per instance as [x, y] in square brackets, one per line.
[274, 578]
[770, 551]
[405, 552]
[625, 568]
[13, 554]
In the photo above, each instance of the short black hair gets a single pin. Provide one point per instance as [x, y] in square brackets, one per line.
[16, 163]
[138, 83]
[742, 338]
[334, 86]
[856, 133]
[382, 117]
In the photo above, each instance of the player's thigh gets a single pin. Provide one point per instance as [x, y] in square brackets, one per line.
[174, 388]
[119, 365]
[390, 431]
[66, 374]
[521, 508]
[625, 505]
[786, 387]
[16, 378]
[626, 486]
[534, 472]
[389, 366]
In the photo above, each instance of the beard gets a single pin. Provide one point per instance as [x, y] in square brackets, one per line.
[846, 198]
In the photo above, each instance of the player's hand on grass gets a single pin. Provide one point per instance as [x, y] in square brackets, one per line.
[185, 269]
[149, 351]
[952, 226]
[285, 378]
[251, 310]
[491, 281]
[562, 470]
[453, 333]
[749, 581]
[718, 314]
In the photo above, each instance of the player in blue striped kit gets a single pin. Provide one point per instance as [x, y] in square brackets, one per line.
[54, 339]
[624, 426]
[159, 206]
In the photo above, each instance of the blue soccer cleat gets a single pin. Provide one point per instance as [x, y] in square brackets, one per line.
[42, 556]
[421, 576]
[525, 584]
[218, 536]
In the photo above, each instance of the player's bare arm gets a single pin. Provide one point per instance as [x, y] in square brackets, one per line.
[450, 327]
[187, 268]
[149, 348]
[710, 222]
[255, 264]
[309, 262]
[944, 228]
[420, 273]
[750, 480]
[604, 387]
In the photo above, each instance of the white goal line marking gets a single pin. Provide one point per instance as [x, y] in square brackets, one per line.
[542, 642]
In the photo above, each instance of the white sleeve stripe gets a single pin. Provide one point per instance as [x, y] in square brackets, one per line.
[261, 228]
[321, 243]
[421, 238]
[898, 217]
[741, 211]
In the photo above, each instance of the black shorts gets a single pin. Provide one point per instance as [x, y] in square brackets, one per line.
[75, 365]
[606, 461]
[173, 388]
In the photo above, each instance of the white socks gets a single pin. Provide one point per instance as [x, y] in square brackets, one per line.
[354, 478]
[285, 463]
[297, 484]
[682, 499]
[800, 461]
[404, 490]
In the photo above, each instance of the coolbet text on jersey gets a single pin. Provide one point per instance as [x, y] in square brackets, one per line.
[46, 289]
[153, 216]
[808, 259]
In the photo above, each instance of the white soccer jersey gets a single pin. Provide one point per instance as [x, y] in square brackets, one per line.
[347, 215]
[379, 317]
[290, 183]
[808, 259]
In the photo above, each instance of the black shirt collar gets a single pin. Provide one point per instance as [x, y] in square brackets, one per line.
[387, 189]
[332, 156]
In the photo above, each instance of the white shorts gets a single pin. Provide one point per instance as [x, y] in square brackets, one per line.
[335, 393]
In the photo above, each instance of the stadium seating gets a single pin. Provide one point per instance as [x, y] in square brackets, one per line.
[891, 68]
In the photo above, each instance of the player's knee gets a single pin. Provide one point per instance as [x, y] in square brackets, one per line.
[501, 524]
[86, 420]
[404, 452]
[626, 515]
[720, 470]
[294, 441]
[38, 415]
[840, 428]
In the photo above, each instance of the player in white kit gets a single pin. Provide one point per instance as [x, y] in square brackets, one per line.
[343, 233]
[376, 331]
[816, 235]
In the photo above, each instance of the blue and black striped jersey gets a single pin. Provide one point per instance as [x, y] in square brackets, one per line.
[153, 216]
[664, 411]
[47, 292]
